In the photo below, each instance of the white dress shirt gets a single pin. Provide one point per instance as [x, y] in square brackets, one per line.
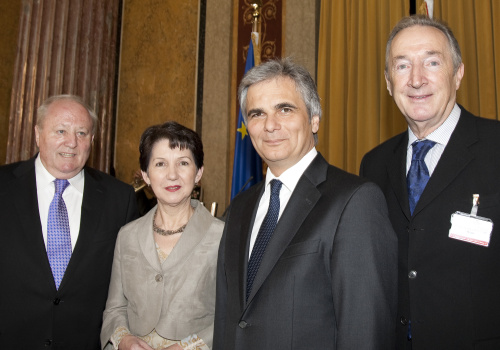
[72, 196]
[289, 178]
[441, 136]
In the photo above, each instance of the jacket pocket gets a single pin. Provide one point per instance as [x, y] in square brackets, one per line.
[302, 248]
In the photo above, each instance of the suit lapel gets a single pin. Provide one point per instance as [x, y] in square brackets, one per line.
[192, 236]
[455, 157]
[93, 202]
[396, 172]
[302, 201]
[240, 246]
[146, 241]
[25, 199]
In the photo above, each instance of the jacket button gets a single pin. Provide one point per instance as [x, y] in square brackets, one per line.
[56, 301]
[242, 324]
[47, 342]
[403, 320]
[412, 274]
[158, 278]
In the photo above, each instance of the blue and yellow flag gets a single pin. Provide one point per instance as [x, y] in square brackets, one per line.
[247, 167]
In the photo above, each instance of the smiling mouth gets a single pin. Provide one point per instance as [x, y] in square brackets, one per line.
[423, 97]
[172, 188]
[67, 155]
[274, 142]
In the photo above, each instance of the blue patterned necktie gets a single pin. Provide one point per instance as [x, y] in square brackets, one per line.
[265, 232]
[58, 235]
[418, 175]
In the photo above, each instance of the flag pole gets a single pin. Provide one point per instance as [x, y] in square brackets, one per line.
[247, 165]
[427, 8]
[256, 5]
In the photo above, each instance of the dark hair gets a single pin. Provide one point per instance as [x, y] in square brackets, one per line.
[424, 21]
[283, 68]
[177, 134]
[42, 110]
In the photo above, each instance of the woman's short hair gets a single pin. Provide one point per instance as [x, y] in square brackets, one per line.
[178, 136]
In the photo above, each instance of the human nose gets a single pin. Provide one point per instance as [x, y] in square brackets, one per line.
[272, 123]
[417, 77]
[71, 140]
[172, 172]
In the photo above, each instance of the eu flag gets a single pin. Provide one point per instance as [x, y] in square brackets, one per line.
[247, 167]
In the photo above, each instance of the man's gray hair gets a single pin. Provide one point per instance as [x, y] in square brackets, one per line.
[424, 21]
[282, 68]
[41, 112]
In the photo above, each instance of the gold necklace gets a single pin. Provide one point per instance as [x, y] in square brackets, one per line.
[163, 232]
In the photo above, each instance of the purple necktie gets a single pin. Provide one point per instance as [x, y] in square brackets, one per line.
[264, 235]
[418, 175]
[58, 236]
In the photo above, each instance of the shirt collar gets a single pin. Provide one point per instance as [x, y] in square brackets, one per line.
[44, 177]
[443, 133]
[291, 176]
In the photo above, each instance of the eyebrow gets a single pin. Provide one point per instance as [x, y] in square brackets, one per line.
[164, 158]
[400, 57]
[276, 107]
[433, 53]
[284, 105]
[428, 53]
[255, 110]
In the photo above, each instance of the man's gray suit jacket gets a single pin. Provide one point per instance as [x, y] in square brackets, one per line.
[327, 279]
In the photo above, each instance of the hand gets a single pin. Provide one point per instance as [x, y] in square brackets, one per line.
[173, 347]
[129, 342]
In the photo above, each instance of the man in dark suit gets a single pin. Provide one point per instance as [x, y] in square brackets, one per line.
[324, 275]
[449, 284]
[38, 310]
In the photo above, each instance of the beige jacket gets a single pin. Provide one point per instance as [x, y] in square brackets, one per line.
[176, 298]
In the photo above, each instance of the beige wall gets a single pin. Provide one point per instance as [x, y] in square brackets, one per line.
[158, 70]
[300, 38]
[217, 96]
[301, 28]
[9, 18]
[156, 75]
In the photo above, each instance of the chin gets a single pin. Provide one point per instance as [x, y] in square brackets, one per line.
[70, 170]
[420, 115]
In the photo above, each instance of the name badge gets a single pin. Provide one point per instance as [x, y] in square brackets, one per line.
[470, 227]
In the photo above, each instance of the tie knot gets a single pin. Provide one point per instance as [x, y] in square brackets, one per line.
[275, 187]
[420, 149]
[60, 185]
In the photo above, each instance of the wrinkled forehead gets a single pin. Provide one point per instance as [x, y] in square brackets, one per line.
[68, 112]
[419, 39]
